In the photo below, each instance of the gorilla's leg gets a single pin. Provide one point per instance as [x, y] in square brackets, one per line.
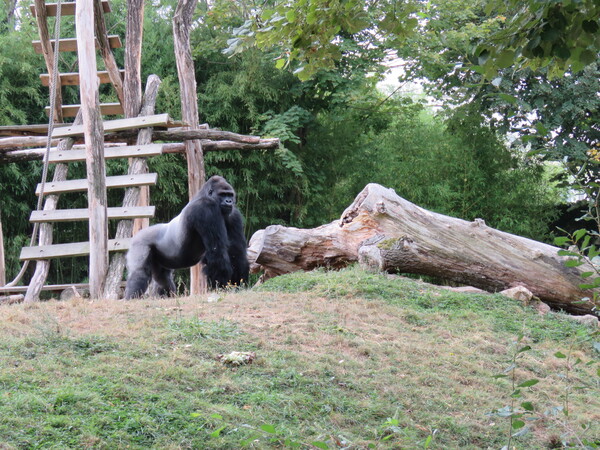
[137, 282]
[165, 286]
[139, 270]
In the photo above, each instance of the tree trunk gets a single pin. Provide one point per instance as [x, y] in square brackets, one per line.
[387, 233]
[133, 58]
[182, 21]
[137, 165]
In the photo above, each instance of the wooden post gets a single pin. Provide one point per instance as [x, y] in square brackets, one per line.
[107, 55]
[94, 143]
[133, 89]
[2, 266]
[41, 17]
[133, 57]
[189, 113]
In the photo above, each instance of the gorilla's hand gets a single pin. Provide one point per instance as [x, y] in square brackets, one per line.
[218, 272]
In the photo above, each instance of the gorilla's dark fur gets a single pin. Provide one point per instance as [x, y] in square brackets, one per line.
[208, 229]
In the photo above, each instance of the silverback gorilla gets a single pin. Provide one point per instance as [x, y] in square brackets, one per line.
[208, 229]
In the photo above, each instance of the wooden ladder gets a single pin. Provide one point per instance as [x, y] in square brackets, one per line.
[81, 185]
[114, 76]
[104, 42]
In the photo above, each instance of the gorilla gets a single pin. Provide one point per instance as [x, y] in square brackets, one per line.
[208, 229]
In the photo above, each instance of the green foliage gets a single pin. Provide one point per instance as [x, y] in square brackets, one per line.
[535, 34]
[317, 33]
[524, 416]
[516, 414]
[21, 94]
[582, 249]
[458, 167]
[16, 201]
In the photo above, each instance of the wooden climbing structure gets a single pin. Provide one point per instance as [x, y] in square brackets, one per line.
[132, 137]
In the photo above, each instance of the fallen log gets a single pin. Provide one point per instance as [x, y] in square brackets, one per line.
[11, 299]
[388, 233]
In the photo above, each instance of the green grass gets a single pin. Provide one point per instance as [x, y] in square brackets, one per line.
[345, 359]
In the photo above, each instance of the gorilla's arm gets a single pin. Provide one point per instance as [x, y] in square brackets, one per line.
[237, 248]
[206, 220]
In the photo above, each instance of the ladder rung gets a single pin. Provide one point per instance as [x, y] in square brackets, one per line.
[72, 78]
[73, 215]
[106, 109]
[111, 182]
[66, 9]
[70, 45]
[72, 249]
[131, 151]
[157, 120]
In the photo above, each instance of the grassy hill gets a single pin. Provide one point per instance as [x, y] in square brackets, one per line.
[340, 360]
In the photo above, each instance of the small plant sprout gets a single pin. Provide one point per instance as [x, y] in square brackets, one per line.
[518, 414]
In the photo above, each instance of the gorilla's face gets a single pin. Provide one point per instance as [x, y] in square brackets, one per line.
[222, 192]
[226, 201]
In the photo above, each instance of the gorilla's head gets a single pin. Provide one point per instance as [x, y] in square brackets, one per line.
[218, 189]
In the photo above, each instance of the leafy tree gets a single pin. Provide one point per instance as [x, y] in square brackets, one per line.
[532, 34]
[558, 35]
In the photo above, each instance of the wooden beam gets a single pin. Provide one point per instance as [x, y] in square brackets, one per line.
[119, 181]
[130, 151]
[160, 120]
[80, 214]
[66, 9]
[72, 78]
[24, 130]
[70, 45]
[106, 109]
[70, 250]
[47, 287]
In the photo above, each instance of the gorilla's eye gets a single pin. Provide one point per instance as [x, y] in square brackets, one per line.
[210, 191]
